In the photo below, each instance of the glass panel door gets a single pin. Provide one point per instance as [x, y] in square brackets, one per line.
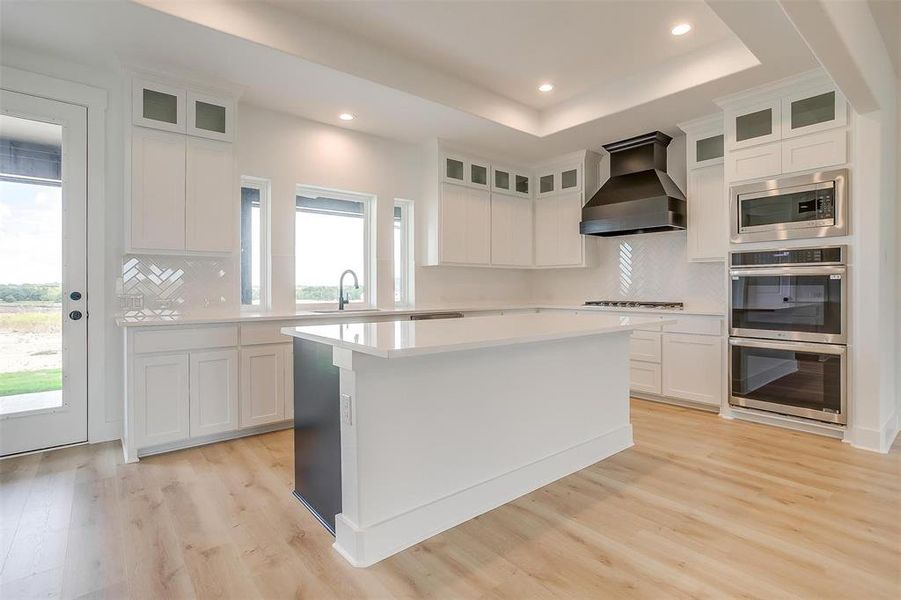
[43, 304]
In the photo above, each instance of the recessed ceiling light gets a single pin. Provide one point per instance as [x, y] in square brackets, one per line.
[346, 117]
[681, 29]
[546, 87]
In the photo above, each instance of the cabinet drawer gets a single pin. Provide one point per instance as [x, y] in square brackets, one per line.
[754, 163]
[814, 151]
[265, 333]
[176, 338]
[645, 346]
[644, 377]
[696, 326]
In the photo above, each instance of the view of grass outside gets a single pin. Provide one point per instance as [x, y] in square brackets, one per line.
[30, 296]
[30, 358]
[327, 293]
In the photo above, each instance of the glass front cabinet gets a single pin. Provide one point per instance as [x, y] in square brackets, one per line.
[158, 106]
[813, 110]
[210, 117]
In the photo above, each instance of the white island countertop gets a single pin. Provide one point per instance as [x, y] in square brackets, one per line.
[397, 339]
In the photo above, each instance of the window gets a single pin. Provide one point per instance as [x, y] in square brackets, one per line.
[403, 253]
[255, 243]
[331, 234]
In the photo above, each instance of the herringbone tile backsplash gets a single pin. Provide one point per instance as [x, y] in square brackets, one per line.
[172, 286]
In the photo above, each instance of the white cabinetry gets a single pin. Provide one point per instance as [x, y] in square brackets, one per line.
[213, 391]
[160, 395]
[511, 230]
[157, 190]
[692, 367]
[264, 374]
[464, 225]
[708, 224]
[211, 196]
[799, 125]
[183, 189]
[558, 242]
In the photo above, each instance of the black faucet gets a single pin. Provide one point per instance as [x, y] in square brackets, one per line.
[342, 301]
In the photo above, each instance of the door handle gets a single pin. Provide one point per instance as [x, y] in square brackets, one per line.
[75, 296]
[75, 315]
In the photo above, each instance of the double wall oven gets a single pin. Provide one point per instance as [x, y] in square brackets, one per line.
[788, 329]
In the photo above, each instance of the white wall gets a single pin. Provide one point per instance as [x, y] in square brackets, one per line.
[638, 267]
[289, 150]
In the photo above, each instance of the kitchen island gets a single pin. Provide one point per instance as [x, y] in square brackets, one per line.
[404, 429]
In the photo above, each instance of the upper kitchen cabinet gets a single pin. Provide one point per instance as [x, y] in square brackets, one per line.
[158, 106]
[797, 125]
[182, 110]
[560, 179]
[813, 110]
[211, 197]
[757, 123]
[558, 242]
[708, 223]
[464, 226]
[210, 116]
[464, 171]
[505, 180]
[157, 190]
[511, 231]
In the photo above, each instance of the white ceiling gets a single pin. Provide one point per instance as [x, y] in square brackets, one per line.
[305, 66]
[510, 48]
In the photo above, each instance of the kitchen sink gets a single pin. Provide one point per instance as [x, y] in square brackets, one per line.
[346, 311]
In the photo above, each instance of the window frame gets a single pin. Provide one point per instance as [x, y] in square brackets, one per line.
[369, 202]
[264, 186]
[408, 253]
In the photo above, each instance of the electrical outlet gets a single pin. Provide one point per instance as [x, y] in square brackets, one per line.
[347, 410]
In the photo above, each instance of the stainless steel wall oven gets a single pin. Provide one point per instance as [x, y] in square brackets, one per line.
[788, 326]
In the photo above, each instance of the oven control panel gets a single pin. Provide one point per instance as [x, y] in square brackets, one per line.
[832, 255]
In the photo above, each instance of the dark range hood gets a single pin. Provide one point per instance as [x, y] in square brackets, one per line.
[639, 197]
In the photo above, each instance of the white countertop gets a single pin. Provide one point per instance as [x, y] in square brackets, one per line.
[313, 317]
[396, 339]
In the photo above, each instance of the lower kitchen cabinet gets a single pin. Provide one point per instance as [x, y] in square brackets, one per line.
[692, 367]
[644, 377]
[213, 391]
[265, 375]
[160, 399]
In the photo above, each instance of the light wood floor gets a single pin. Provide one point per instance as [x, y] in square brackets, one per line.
[700, 507]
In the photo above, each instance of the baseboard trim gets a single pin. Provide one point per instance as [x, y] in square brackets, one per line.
[213, 438]
[676, 401]
[365, 546]
[876, 440]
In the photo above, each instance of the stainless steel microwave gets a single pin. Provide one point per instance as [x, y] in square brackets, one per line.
[800, 207]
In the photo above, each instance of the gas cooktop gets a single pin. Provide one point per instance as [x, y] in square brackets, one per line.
[635, 304]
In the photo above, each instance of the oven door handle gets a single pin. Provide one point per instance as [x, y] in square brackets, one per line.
[770, 271]
[799, 346]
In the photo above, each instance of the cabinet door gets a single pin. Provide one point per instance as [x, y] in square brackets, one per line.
[210, 117]
[705, 149]
[557, 239]
[522, 184]
[644, 377]
[644, 346]
[708, 223]
[263, 384]
[157, 190]
[692, 367]
[158, 106]
[478, 174]
[511, 231]
[501, 180]
[812, 111]
[454, 169]
[754, 163]
[160, 392]
[465, 228]
[214, 392]
[815, 151]
[570, 179]
[211, 200]
[548, 183]
[752, 125]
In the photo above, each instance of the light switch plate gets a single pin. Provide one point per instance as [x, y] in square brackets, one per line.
[347, 415]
